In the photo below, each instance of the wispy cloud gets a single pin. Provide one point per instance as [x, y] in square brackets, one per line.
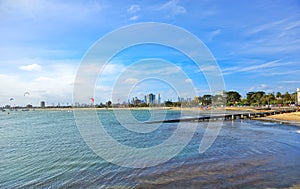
[280, 72]
[279, 36]
[37, 8]
[133, 9]
[173, 8]
[251, 68]
[261, 87]
[291, 82]
[134, 18]
[265, 27]
[31, 67]
[213, 34]
[131, 81]
[271, 64]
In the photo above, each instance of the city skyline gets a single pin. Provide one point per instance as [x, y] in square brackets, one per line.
[257, 98]
[42, 43]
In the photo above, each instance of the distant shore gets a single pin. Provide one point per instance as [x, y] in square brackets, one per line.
[289, 118]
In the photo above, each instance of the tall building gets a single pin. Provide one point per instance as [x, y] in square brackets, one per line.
[298, 96]
[150, 99]
[43, 104]
[158, 99]
[180, 99]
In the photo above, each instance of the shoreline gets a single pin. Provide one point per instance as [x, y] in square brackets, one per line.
[284, 118]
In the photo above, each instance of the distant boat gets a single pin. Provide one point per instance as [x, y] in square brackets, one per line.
[25, 110]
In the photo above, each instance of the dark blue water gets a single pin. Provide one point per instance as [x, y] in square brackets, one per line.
[45, 149]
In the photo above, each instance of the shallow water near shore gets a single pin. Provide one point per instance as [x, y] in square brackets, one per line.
[45, 149]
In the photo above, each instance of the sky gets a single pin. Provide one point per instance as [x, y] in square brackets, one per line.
[256, 45]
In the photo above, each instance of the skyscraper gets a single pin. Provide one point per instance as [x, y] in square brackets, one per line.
[150, 99]
[42, 104]
[158, 99]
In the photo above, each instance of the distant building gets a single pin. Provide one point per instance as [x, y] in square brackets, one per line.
[158, 99]
[180, 99]
[222, 93]
[43, 104]
[150, 99]
[136, 101]
[298, 96]
[29, 106]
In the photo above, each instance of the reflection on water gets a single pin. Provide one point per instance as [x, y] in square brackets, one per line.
[44, 149]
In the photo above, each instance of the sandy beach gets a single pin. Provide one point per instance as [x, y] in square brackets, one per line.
[290, 118]
[285, 118]
[295, 116]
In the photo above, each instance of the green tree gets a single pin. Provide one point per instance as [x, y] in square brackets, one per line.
[218, 100]
[250, 97]
[232, 98]
[278, 95]
[177, 104]
[270, 98]
[108, 104]
[256, 98]
[294, 97]
[206, 100]
[287, 98]
[168, 104]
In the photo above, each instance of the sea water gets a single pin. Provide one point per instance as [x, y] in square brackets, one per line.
[44, 149]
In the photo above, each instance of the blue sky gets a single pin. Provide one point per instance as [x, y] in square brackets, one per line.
[256, 44]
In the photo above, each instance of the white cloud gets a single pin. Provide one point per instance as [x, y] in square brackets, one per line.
[290, 82]
[274, 37]
[131, 81]
[252, 68]
[37, 8]
[271, 64]
[53, 83]
[51, 89]
[262, 87]
[209, 68]
[31, 67]
[134, 18]
[112, 68]
[133, 9]
[265, 27]
[213, 34]
[188, 81]
[173, 7]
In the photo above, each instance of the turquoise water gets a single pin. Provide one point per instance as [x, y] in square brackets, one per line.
[45, 149]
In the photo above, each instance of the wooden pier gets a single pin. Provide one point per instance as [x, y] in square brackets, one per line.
[225, 117]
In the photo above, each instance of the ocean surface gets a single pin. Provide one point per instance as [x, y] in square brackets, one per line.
[44, 149]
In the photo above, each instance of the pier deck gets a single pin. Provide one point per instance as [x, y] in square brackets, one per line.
[250, 115]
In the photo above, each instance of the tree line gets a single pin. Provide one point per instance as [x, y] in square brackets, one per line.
[233, 98]
[261, 98]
